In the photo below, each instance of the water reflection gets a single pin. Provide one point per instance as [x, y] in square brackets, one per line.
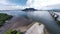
[14, 13]
[45, 18]
[42, 16]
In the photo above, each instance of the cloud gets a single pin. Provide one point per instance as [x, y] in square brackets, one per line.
[38, 4]
[5, 2]
[11, 7]
[6, 5]
[41, 3]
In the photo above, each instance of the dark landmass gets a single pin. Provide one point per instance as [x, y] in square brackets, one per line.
[29, 9]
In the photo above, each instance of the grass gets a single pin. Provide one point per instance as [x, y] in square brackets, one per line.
[4, 17]
[13, 32]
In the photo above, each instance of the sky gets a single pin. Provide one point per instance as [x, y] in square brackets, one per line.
[38, 4]
[21, 4]
[12, 4]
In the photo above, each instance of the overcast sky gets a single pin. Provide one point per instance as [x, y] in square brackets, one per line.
[20, 4]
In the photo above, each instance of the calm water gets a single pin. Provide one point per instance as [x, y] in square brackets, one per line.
[14, 13]
[42, 16]
[45, 18]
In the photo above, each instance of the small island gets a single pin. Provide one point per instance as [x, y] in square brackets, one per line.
[29, 9]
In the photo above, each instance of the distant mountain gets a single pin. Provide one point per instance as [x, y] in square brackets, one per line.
[29, 9]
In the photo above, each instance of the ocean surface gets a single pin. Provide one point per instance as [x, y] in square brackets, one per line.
[42, 16]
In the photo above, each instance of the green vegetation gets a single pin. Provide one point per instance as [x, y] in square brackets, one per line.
[13, 32]
[19, 33]
[3, 18]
